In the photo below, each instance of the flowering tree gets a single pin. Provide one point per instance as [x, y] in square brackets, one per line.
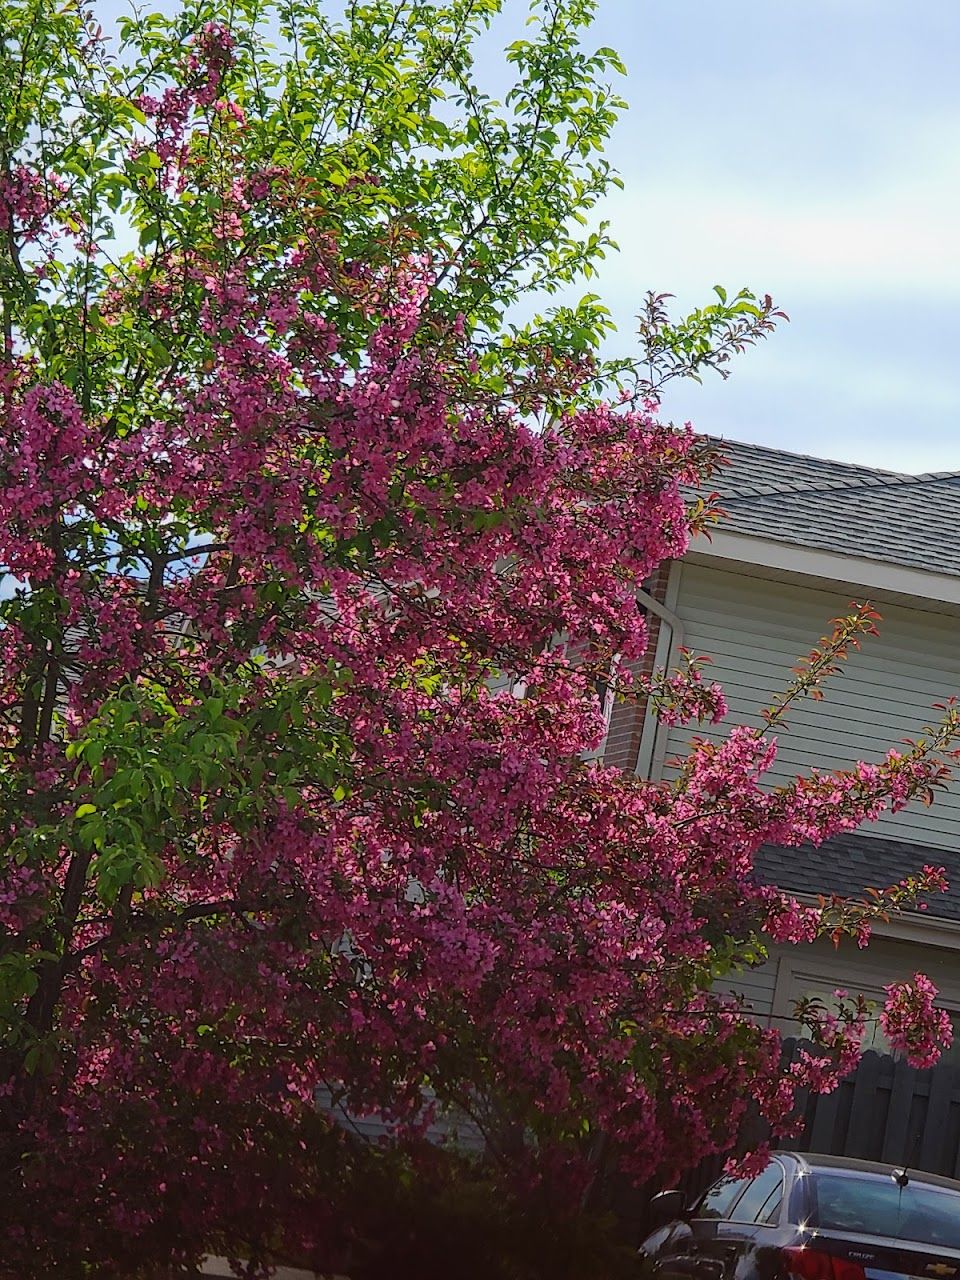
[311, 563]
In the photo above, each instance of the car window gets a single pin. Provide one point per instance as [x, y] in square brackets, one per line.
[769, 1215]
[717, 1201]
[756, 1202]
[877, 1206]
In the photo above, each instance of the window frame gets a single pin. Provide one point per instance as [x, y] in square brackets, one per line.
[723, 1217]
[727, 1215]
[755, 1221]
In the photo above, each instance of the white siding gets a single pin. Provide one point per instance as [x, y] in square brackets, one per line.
[449, 1126]
[756, 987]
[771, 990]
[755, 630]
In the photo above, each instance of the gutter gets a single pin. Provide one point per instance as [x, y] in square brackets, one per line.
[905, 926]
[672, 635]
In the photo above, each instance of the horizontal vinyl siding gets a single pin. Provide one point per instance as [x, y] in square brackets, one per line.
[755, 631]
[447, 1127]
[755, 987]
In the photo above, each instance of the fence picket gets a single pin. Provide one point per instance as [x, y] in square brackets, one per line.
[823, 1129]
[898, 1142]
[864, 1135]
[937, 1123]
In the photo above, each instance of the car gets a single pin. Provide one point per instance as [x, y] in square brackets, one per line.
[810, 1217]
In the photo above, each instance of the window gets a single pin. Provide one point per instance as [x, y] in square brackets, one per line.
[808, 985]
[761, 1200]
[716, 1203]
[877, 1206]
[604, 687]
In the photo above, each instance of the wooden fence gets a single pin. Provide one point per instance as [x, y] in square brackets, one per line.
[889, 1111]
[885, 1110]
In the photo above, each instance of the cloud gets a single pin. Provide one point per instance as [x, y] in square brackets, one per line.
[900, 241]
[808, 149]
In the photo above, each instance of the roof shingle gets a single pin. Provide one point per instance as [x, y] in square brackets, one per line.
[849, 864]
[837, 506]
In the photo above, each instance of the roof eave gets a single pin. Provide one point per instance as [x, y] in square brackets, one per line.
[906, 926]
[829, 566]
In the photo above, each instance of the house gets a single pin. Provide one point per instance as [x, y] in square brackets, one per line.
[802, 538]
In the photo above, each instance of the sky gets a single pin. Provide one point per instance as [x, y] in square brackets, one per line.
[811, 151]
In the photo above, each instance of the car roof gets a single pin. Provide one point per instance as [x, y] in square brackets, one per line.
[813, 1160]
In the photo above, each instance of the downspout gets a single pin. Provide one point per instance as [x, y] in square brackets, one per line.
[643, 765]
[666, 615]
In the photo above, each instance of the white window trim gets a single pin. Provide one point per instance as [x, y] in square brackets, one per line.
[794, 972]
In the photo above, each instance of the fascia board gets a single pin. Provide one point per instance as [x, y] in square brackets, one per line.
[830, 566]
[906, 926]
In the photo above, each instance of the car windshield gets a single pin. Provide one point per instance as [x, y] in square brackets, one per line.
[878, 1207]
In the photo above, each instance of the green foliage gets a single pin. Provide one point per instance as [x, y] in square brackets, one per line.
[389, 145]
[159, 773]
[378, 110]
[706, 339]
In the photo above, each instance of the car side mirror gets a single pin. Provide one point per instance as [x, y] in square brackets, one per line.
[667, 1205]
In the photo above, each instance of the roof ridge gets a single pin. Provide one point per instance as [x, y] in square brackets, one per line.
[796, 488]
[810, 457]
[938, 475]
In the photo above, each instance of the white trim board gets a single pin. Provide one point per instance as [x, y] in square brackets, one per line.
[829, 566]
[906, 926]
[669, 637]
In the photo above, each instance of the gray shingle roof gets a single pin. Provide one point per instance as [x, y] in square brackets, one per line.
[836, 506]
[849, 864]
[911, 520]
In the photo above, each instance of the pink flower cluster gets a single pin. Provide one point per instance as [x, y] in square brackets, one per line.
[912, 1024]
[289, 821]
[24, 203]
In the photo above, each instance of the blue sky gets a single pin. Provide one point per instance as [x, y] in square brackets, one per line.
[809, 150]
[803, 148]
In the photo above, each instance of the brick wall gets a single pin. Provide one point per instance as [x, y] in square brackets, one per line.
[626, 721]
